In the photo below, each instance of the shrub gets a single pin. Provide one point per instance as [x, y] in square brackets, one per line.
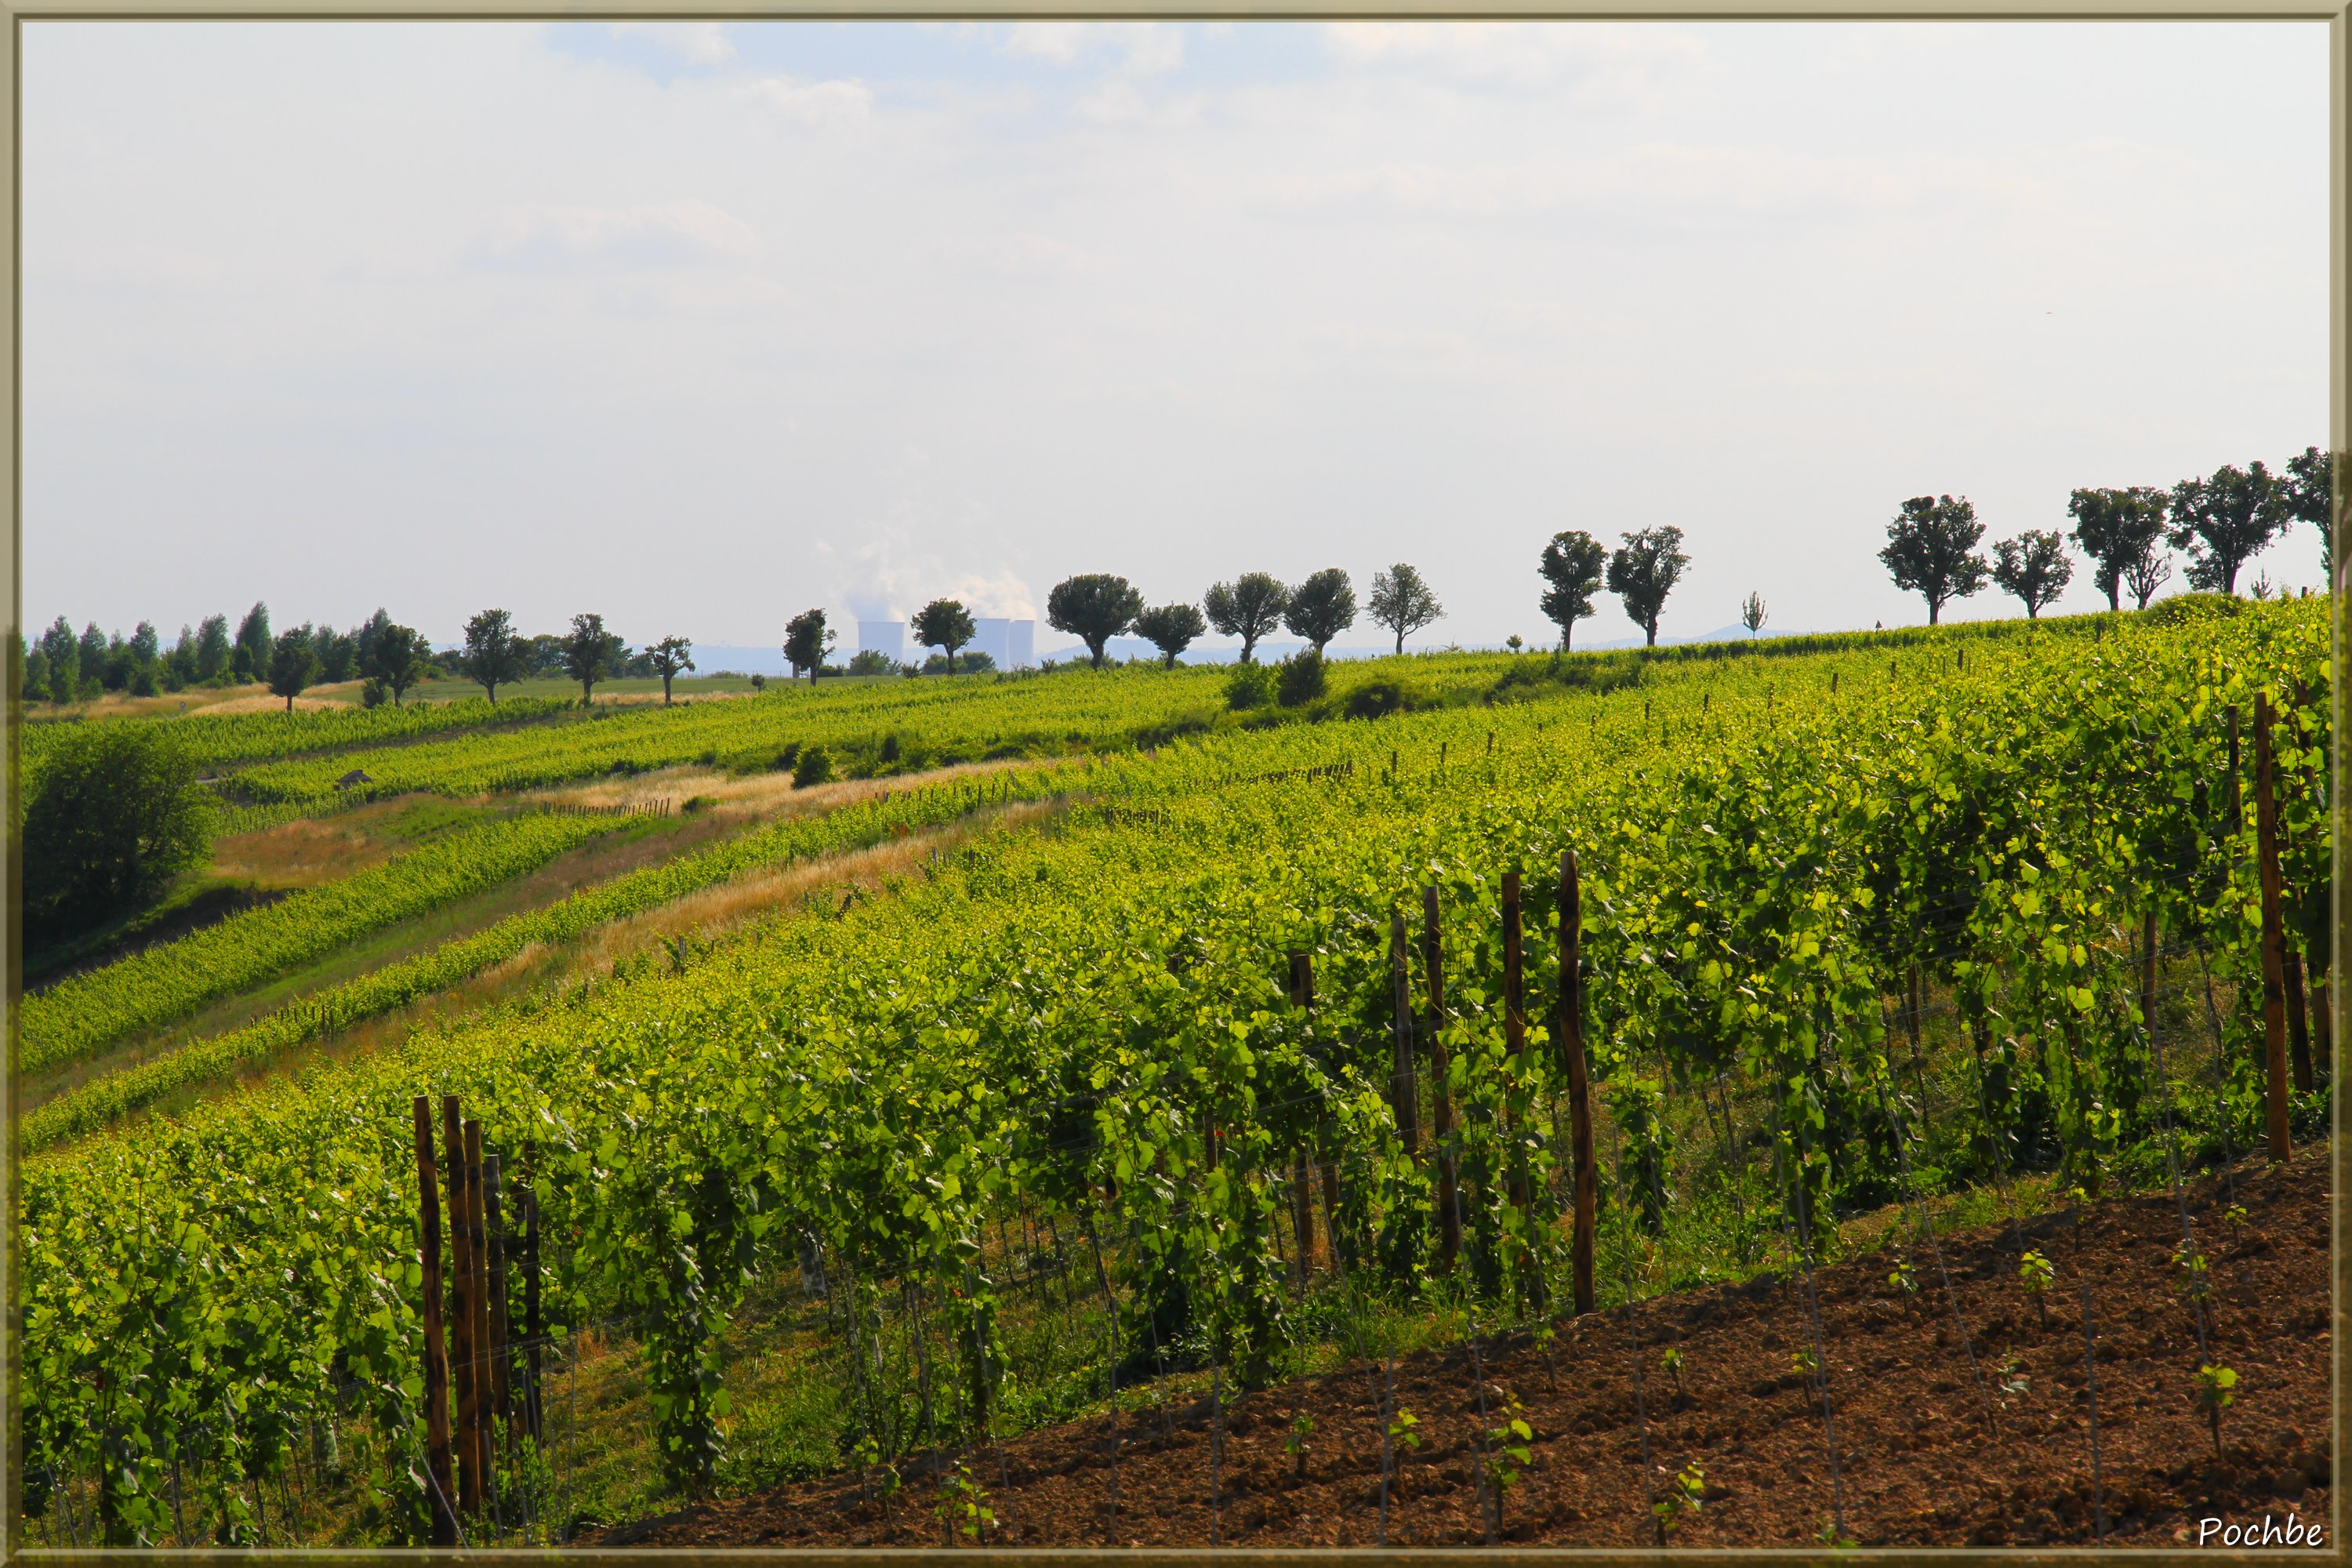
[814, 766]
[1299, 679]
[2183, 607]
[1379, 699]
[1249, 686]
[113, 814]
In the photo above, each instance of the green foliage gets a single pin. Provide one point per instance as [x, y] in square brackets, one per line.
[1931, 550]
[1093, 607]
[93, 1009]
[1642, 571]
[1249, 686]
[946, 625]
[1300, 678]
[1087, 1017]
[112, 813]
[1321, 607]
[1247, 607]
[1685, 1492]
[814, 766]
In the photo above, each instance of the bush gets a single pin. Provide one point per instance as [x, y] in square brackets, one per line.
[2183, 607]
[1299, 679]
[112, 816]
[971, 661]
[1249, 686]
[1379, 699]
[374, 694]
[814, 766]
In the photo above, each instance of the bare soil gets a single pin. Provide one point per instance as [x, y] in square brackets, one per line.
[1931, 1449]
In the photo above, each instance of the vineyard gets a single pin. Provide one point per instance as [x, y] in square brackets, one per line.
[1330, 1094]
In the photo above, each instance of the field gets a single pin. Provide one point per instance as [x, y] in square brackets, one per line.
[1098, 1053]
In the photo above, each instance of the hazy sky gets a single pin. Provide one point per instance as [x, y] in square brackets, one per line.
[697, 326]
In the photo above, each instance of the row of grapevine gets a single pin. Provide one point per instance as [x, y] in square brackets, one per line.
[218, 741]
[87, 1012]
[1093, 1017]
[93, 1105]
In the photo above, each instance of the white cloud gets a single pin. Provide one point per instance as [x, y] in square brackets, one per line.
[701, 43]
[1596, 61]
[641, 236]
[816, 103]
[1137, 48]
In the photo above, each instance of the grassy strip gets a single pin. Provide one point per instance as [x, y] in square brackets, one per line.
[88, 1012]
[93, 1105]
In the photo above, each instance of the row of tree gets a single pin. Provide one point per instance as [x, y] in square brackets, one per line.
[390, 657]
[1097, 607]
[2221, 521]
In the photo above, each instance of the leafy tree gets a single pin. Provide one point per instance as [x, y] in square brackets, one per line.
[2117, 528]
[944, 624]
[1403, 602]
[1571, 566]
[112, 815]
[493, 653]
[806, 642]
[398, 657]
[94, 650]
[2148, 572]
[1170, 628]
[1093, 607]
[2034, 568]
[872, 661]
[2308, 495]
[591, 654]
[1247, 607]
[212, 648]
[669, 656]
[35, 671]
[1645, 572]
[253, 640]
[1752, 614]
[2224, 520]
[62, 651]
[146, 650]
[1931, 551]
[293, 664]
[1321, 607]
[179, 663]
[338, 654]
[364, 638]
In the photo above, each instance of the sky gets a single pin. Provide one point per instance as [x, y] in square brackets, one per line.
[699, 325]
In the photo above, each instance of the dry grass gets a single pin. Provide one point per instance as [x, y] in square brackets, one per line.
[754, 798]
[762, 895]
[305, 853]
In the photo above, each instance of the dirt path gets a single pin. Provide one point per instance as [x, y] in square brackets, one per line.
[1930, 1450]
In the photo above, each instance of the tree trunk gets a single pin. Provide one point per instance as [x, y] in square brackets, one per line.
[665, 680]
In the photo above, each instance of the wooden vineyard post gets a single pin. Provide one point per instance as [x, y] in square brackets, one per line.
[1404, 1085]
[2273, 944]
[1302, 991]
[1579, 1093]
[2150, 931]
[1515, 1021]
[2298, 1020]
[531, 1329]
[461, 1306]
[1302, 1174]
[479, 1332]
[501, 1343]
[1441, 1098]
[444, 1501]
